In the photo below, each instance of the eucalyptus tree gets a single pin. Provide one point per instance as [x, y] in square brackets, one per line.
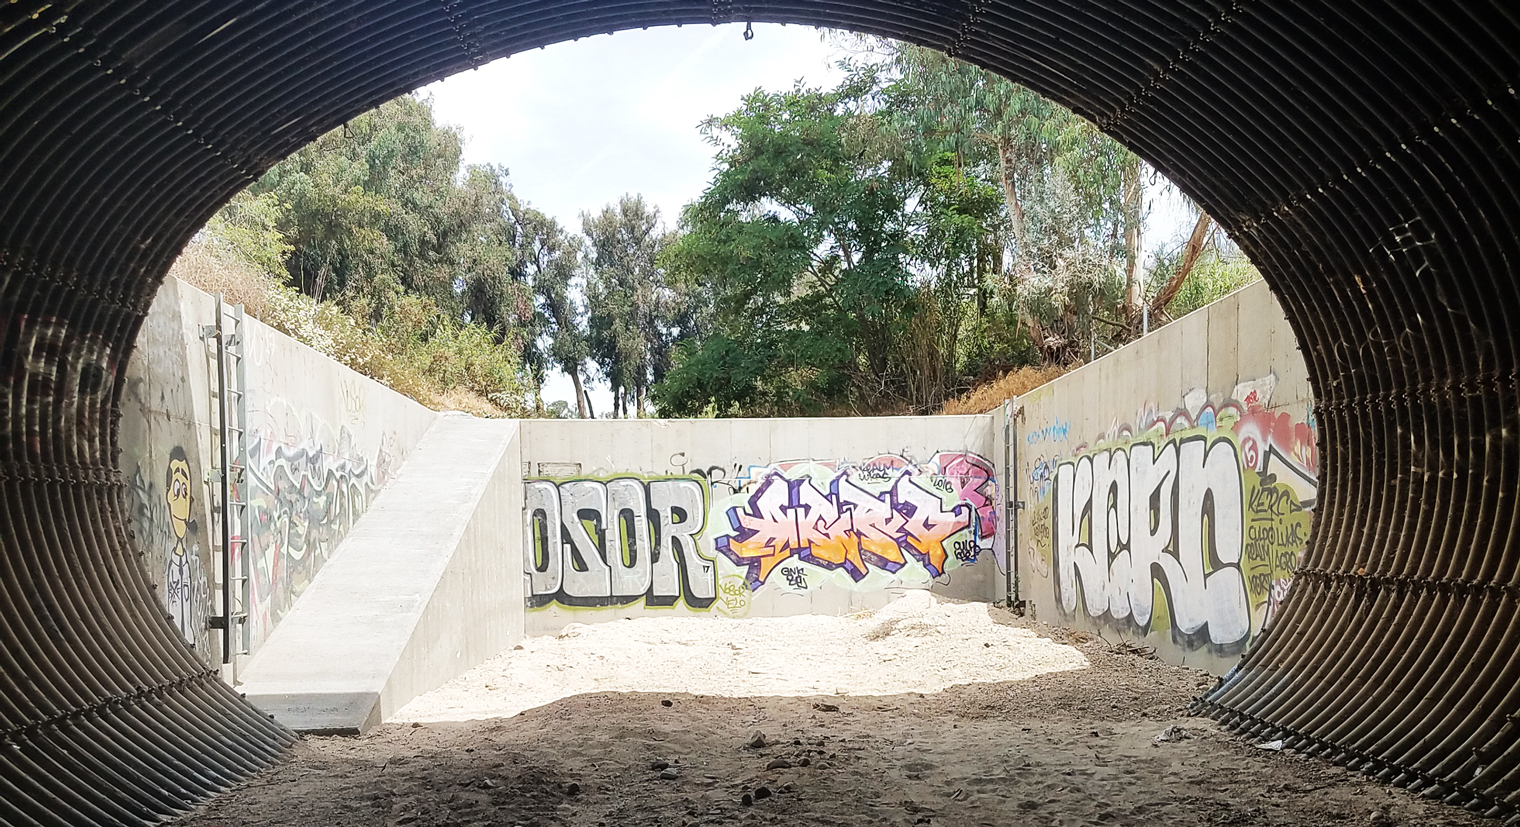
[628, 302]
[837, 262]
[382, 207]
[549, 259]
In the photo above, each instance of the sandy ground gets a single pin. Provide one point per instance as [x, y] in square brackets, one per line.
[946, 739]
[916, 644]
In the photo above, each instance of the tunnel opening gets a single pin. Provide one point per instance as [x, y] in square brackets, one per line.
[1365, 158]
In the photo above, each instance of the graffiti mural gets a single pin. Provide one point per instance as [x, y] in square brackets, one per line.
[181, 582]
[1190, 523]
[592, 542]
[304, 495]
[709, 540]
[163, 522]
[882, 515]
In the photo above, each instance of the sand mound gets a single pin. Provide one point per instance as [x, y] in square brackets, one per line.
[915, 644]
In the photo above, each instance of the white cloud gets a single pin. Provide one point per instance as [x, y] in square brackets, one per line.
[579, 124]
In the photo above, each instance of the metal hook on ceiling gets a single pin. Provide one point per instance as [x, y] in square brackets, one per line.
[749, 31]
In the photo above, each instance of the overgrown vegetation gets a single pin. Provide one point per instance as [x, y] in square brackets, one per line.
[920, 230]
[415, 349]
[926, 236]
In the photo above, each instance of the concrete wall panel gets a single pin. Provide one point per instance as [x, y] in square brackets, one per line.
[797, 516]
[165, 459]
[1162, 510]
[322, 441]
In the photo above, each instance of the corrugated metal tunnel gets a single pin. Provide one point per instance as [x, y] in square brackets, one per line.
[1365, 154]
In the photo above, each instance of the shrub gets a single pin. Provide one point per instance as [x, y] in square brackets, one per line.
[415, 348]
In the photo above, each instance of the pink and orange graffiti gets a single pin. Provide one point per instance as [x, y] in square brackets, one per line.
[884, 513]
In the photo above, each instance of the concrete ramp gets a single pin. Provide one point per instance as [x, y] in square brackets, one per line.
[427, 585]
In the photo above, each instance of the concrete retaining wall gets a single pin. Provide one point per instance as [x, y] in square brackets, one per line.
[423, 589]
[756, 517]
[1169, 491]
[166, 451]
[1170, 486]
[323, 440]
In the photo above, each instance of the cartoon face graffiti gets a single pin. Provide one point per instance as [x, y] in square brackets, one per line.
[182, 581]
[177, 495]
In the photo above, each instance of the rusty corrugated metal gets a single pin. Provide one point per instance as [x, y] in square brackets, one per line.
[1364, 154]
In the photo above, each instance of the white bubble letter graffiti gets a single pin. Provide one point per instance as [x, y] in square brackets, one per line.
[678, 540]
[586, 572]
[626, 527]
[543, 555]
[1110, 528]
[1073, 507]
[1210, 506]
[1151, 490]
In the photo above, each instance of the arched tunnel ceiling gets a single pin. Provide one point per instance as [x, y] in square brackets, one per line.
[1363, 153]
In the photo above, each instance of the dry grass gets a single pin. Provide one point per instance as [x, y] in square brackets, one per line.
[466, 400]
[989, 396]
[239, 283]
[329, 330]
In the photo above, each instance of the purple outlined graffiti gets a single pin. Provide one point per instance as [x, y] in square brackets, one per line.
[880, 515]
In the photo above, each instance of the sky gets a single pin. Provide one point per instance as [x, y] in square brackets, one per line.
[579, 124]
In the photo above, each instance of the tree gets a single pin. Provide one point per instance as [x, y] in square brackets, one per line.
[1072, 196]
[628, 303]
[808, 239]
[382, 208]
[548, 258]
[408, 263]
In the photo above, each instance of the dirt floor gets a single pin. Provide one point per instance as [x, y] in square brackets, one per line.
[1078, 746]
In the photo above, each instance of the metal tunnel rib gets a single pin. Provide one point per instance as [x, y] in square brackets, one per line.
[1365, 154]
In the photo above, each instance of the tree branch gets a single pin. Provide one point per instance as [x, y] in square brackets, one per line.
[1190, 255]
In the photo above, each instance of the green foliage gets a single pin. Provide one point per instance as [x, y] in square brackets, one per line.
[423, 341]
[1218, 273]
[548, 258]
[631, 304]
[884, 245]
[878, 247]
[373, 246]
[247, 230]
[381, 208]
[804, 240]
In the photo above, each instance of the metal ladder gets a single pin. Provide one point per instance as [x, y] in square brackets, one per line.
[230, 410]
[1013, 411]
